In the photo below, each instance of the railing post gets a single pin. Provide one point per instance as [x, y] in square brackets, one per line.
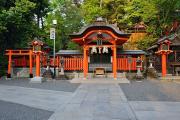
[38, 64]
[9, 64]
[30, 64]
[115, 62]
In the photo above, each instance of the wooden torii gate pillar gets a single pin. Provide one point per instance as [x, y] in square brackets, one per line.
[24, 53]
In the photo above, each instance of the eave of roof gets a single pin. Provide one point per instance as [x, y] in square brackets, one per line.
[131, 52]
[69, 52]
[112, 28]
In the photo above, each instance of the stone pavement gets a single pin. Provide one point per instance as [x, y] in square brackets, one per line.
[96, 102]
[37, 98]
[91, 101]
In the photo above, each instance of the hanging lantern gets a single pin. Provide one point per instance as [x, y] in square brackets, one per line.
[100, 50]
[94, 50]
[105, 49]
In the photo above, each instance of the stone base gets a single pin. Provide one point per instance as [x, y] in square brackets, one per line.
[8, 78]
[139, 75]
[152, 73]
[61, 77]
[36, 80]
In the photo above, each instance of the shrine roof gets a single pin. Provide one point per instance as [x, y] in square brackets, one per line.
[170, 38]
[100, 25]
[69, 52]
[121, 52]
[131, 52]
[173, 38]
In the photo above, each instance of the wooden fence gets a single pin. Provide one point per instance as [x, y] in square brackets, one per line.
[71, 64]
[122, 64]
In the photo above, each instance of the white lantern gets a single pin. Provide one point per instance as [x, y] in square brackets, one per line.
[105, 49]
[94, 50]
[100, 50]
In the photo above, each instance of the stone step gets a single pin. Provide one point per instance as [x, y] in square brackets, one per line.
[171, 78]
[100, 80]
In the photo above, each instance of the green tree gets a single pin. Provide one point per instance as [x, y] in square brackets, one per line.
[17, 25]
[69, 20]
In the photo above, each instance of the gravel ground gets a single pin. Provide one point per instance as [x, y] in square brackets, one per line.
[12, 111]
[152, 90]
[60, 85]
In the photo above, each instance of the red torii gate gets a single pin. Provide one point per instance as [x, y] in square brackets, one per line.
[11, 53]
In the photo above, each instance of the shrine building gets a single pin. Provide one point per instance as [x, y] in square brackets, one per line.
[101, 52]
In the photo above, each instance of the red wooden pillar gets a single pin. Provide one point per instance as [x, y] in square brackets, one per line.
[24, 61]
[164, 68]
[38, 65]
[115, 62]
[30, 64]
[9, 64]
[85, 62]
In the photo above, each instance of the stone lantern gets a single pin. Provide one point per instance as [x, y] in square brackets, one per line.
[164, 50]
[139, 75]
[37, 50]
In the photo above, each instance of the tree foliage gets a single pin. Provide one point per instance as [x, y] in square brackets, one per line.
[69, 20]
[17, 25]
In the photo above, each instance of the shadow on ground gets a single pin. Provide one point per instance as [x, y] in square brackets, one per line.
[13, 111]
[152, 90]
[58, 85]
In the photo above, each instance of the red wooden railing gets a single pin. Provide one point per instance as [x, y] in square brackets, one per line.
[122, 64]
[69, 63]
[75, 63]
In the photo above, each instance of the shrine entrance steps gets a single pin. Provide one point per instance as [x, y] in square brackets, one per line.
[100, 80]
[171, 78]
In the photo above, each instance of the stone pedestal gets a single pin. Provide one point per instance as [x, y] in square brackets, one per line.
[139, 75]
[57, 71]
[62, 71]
[36, 80]
[152, 73]
[61, 75]
[48, 74]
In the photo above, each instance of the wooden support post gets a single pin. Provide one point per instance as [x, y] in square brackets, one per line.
[164, 70]
[115, 62]
[38, 65]
[85, 62]
[30, 64]
[24, 61]
[9, 64]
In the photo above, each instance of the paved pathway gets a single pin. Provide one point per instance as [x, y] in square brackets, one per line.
[91, 101]
[96, 102]
[38, 98]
